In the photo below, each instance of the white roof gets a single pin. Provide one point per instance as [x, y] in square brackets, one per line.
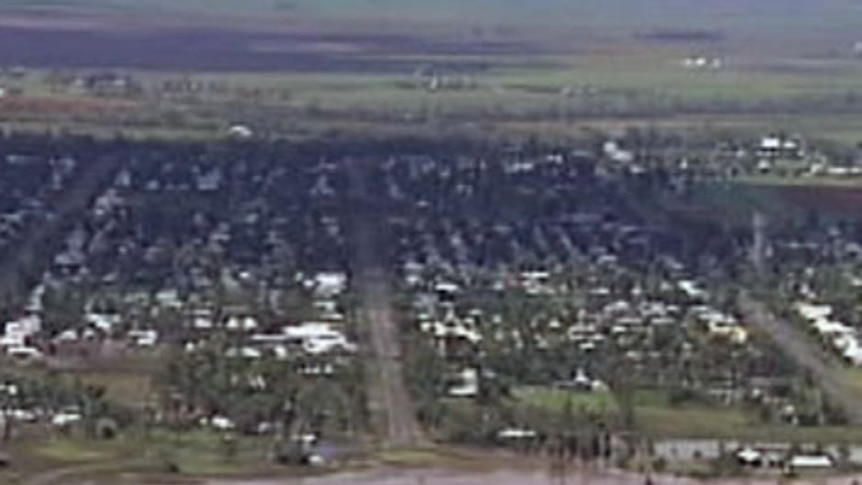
[148, 334]
[535, 275]
[811, 461]
[265, 338]
[103, 321]
[824, 326]
[26, 326]
[691, 289]
[13, 338]
[515, 433]
[242, 323]
[852, 352]
[68, 335]
[458, 330]
[331, 280]
[245, 352]
[241, 131]
[447, 287]
[812, 312]
[310, 330]
[770, 143]
[749, 454]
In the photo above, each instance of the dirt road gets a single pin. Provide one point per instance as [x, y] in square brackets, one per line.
[806, 354]
[389, 398]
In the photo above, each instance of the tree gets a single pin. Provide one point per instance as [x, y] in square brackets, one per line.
[63, 308]
[426, 373]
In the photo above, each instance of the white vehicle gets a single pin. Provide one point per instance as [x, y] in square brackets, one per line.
[328, 343]
[22, 415]
[319, 338]
[517, 434]
[220, 423]
[66, 418]
[144, 338]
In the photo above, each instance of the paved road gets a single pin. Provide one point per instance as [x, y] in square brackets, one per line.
[388, 393]
[799, 346]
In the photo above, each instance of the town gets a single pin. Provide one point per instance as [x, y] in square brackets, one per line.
[238, 302]
[456, 242]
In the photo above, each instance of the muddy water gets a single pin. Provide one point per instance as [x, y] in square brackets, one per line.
[511, 477]
[441, 477]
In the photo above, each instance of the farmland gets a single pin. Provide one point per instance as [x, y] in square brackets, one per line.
[572, 66]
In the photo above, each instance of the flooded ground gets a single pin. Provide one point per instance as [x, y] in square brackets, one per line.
[518, 477]
[504, 469]
[446, 477]
[515, 472]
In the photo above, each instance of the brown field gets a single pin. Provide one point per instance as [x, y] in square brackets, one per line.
[47, 105]
[205, 49]
[64, 39]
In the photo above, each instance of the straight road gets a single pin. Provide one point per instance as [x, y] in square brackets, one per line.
[799, 346]
[388, 393]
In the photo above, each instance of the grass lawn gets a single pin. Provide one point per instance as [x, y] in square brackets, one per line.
[662, 420]
[822, 181]
[127, 381]
[852, 376]
[557, 399]
[132, 390]
[196, 454]
[203, 453]
[69, 450]
[656, 418]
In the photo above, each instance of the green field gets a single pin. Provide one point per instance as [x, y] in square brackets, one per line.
[507, 96]
[656, 418]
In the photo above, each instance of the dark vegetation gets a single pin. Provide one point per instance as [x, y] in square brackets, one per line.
[589, 295]
[683, 36]
[222, 49]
